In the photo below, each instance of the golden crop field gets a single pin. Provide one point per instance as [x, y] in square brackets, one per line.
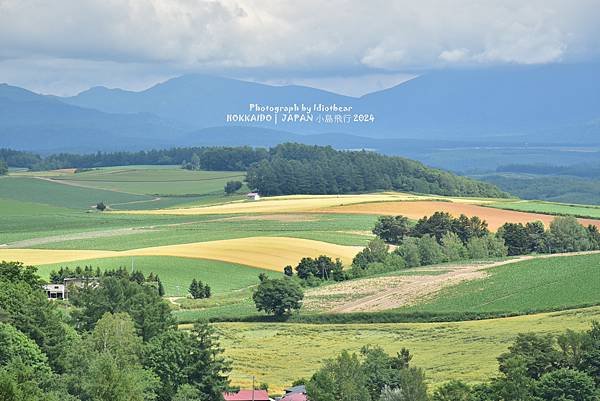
[280, 353]
[265, 252]
[299, 203]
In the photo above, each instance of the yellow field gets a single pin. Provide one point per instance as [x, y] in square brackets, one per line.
[298, 203]
[280, 353]
[265, 252]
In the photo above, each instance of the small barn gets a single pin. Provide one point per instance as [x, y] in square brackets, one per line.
[254, 196]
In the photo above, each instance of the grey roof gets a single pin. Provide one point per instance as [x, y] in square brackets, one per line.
[296, 389]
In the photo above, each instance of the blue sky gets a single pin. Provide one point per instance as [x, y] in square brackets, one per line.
[349, 46]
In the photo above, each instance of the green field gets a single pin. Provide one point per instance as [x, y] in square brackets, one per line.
[279, 353]
[154, 181]
[550, 208]
[532, 285]
[167, 230]
[176, 274]
[29, 189]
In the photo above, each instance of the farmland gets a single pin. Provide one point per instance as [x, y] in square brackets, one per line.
[180, 225]
[461, 350]
[267, 252]
[535, 284]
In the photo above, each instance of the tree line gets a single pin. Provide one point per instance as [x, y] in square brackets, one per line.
[303, 169]
[289, 168]
[205, 158]
[442, 238]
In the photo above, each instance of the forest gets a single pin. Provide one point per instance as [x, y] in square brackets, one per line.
[289, 168]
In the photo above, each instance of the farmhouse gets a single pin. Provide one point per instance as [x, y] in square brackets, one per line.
[247, 395]
[253, 196]
[61, 291]
[56, 291]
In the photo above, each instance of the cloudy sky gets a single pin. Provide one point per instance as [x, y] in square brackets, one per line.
[352, 46]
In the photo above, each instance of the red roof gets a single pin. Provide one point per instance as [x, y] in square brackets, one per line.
[295, 397]
[246, 395]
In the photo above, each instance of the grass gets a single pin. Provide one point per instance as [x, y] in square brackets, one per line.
[550, 208]
[25, 189]
[168, 180]
[176, 274]
[278, 353]
[532, 285]
[335, 229]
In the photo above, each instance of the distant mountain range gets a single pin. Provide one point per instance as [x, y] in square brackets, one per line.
[553, 105]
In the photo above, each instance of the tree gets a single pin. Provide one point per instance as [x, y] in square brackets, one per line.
[340, 379]
[189, 365]
[288, 271]
[567, 235]
[430, 251]
[168, 356]
[197, 289]
[453, 247]
[100, 206]
[435, 225]
[376, 251]
[108, 363]
[467, 228]
[278, 296]
[454, 390]
[409, 250]
[206, 292]
[26, 307]
[392, 229]
[232, 186]
[412, 387]
[537, 351]
[3, 167]
[208, 369]
[160, 287]
[566, 384]
[515, 237]
[150, 313]
[477, 248]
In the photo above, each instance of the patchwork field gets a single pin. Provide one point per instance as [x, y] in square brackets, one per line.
[281, 353]
[271, 253]
[180, 225]
[418, 209]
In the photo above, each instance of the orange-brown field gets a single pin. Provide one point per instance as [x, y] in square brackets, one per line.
[417, 209]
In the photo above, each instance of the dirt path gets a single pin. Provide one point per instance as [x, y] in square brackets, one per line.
[390, 292]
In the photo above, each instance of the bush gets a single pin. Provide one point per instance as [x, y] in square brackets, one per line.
[430, 252]
[453, 247]
[409, 251]
[232, 186]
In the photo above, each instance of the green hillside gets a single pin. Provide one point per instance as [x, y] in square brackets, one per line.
[532, 285]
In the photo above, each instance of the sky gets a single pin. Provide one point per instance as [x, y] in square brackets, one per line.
[349, 46]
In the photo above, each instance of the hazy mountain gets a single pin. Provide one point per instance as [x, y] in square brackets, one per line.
[458, 119]
[523, 104]
[43, 123]
[203, 101]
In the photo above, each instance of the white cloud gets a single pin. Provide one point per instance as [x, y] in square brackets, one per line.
[297, 36]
